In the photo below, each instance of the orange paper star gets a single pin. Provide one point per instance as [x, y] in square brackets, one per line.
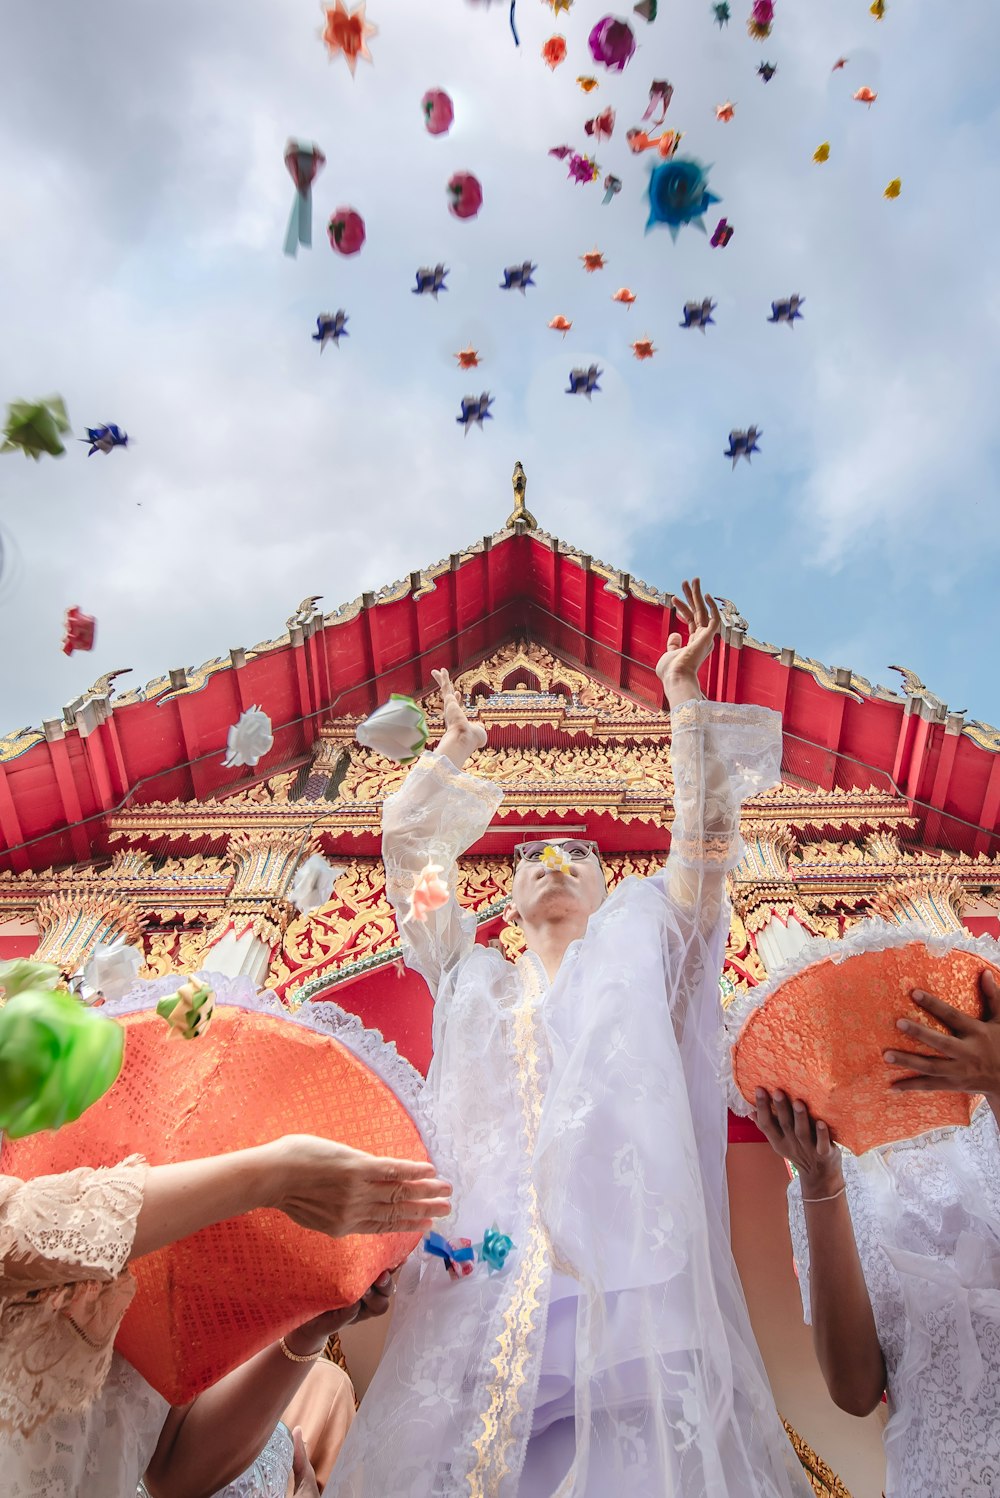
[587, 84]
[593, 260]
[347, 32]
[561, 324]
[558, 5]
[468, 358]
[725, 111]
[623, 294]
[643, 348]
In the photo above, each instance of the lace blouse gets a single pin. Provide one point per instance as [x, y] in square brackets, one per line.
[926, 1217]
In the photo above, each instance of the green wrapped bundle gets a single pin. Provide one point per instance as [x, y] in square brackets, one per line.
[189, 1011]
[36, 427]
[56, 1056]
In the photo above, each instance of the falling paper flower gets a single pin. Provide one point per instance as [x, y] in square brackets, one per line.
[79, 630]
[722, 13]
[313, 884]
[518, 277]
[667, 143]
[554, 51]
[559, 5]
[612, 186]
[397, 730]
[104, 439]
[553, 858]
[468, 358]
[304, 161]
[112, 969]
[766, 71]
[866, 95]
[787, 310]
[582, 168]
[347, 32]
[439, 112]
[612, 43]
[560, 324]
[699, 314]
[587, 83]
[495, 1249]
[660, 94]
[725, 112]
[430, 280]
[429, 893]
[561, 152]
[722, 234]
[330, 327]
[742, 444]
[189, 1011]
[840, 63]
[877, 9]
[601, 127]
[36, 427]
[593, 260]
[822, 153]
[678, 195]
[465, 195]
[249, 739]
[761, 19]
[894, 188]
[643, 348]
[475, 410]
[459, 1259]
[57, 1057]
[346, 231]
[647, 9]
[623, 295]
[581, 382]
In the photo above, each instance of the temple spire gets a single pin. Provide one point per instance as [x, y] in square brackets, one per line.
[521, 514]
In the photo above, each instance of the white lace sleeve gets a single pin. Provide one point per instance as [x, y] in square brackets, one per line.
[800, 1244]
[64, 1245]
[721, 754]
[435, 816]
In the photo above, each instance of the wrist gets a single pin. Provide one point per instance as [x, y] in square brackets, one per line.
[823, 1182]
[681, 689]
[305, 1342]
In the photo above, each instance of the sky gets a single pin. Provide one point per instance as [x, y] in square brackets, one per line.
[143, 279]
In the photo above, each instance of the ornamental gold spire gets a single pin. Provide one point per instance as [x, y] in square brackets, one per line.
[520, 512]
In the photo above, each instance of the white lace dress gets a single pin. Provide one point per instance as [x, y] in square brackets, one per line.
[586, 1119]
[926, 1217]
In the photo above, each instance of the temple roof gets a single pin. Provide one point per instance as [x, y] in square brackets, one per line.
[163, 742]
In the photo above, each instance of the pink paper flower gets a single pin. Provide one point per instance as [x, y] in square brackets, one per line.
[612, 43]
[465, 195]
[346, 231]
[429, 893]
[439, 112]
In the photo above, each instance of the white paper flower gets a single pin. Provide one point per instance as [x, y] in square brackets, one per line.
[313, 884]
[397, 730]
[112, 969]
[249, 739]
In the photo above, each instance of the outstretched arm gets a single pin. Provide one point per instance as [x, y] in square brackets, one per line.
[843, 1325]
[428, 823]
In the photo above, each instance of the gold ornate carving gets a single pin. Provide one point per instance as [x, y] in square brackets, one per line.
[73, 921]
[937, 902]
[824, 1481]
[520, 512]
[172, 949]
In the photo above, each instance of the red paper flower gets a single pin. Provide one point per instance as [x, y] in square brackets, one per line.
[439, 112]
[554, 51]
[465, 195]
[346, 231]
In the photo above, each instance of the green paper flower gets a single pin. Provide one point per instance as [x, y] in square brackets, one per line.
[56, 1056]
[36, 427]
[189, 1011]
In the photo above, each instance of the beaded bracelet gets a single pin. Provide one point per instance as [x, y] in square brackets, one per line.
[293, 1357]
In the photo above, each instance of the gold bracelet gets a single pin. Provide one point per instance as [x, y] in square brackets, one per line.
[832, 1198]
[293, 1357]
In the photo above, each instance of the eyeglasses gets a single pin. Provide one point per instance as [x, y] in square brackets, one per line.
[575, 849]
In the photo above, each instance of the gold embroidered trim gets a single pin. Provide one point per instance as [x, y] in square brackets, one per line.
[521, 1317]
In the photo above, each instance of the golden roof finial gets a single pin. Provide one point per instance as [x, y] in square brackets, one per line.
[520, 511]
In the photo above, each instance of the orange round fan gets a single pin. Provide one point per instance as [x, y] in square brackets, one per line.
[821, 1033]
[207, 1303]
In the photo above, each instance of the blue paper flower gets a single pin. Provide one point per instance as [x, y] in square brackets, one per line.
[678, 194]
[494, 1249]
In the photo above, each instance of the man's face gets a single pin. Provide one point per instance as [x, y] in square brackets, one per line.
[542, 893]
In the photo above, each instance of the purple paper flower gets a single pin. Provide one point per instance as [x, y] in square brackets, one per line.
[582, 169]
[612, 42]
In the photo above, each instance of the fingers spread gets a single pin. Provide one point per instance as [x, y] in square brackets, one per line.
[783, 1112]
[927, 1066]
[803, 1125]
[945, 1045]
[957, 1022]
[925, 1084]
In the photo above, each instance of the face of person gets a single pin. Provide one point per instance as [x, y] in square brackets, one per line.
[540, 893]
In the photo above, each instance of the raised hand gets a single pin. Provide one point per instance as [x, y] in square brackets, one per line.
[678, 666]
[461, 738]
[791, 1132]
[336, 1190]
[313, 1335]
[966, 1059]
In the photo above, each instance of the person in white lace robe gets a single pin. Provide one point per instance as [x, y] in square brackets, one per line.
[577, 1105]
[898, 1257]
[76, 1420]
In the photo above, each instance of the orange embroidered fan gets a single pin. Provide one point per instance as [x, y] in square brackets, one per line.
[206, 1304]
[820, 1033]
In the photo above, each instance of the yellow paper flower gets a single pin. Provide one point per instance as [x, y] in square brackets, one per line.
[556, 860]
[894, 189]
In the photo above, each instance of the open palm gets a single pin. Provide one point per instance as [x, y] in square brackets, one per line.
[680, 662]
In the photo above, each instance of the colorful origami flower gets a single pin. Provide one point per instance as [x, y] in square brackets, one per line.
[304, 161]
[678, 195]
[347, 32]
[582, 168]
[36, 427]
[249, 739]
[494, 1249]
[397, 730]
[555, 860]
[313, 884]
[57, 1057]
[761, 19]
[189, 1011]
[612, 186]
[822, 153]
[429, 893]
[346, 231]
[612, 42]
[79, 630]
[459, 1258]
[465, 195]
[112, 969]
[439, 112]
[894, 188]
[554, 51]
